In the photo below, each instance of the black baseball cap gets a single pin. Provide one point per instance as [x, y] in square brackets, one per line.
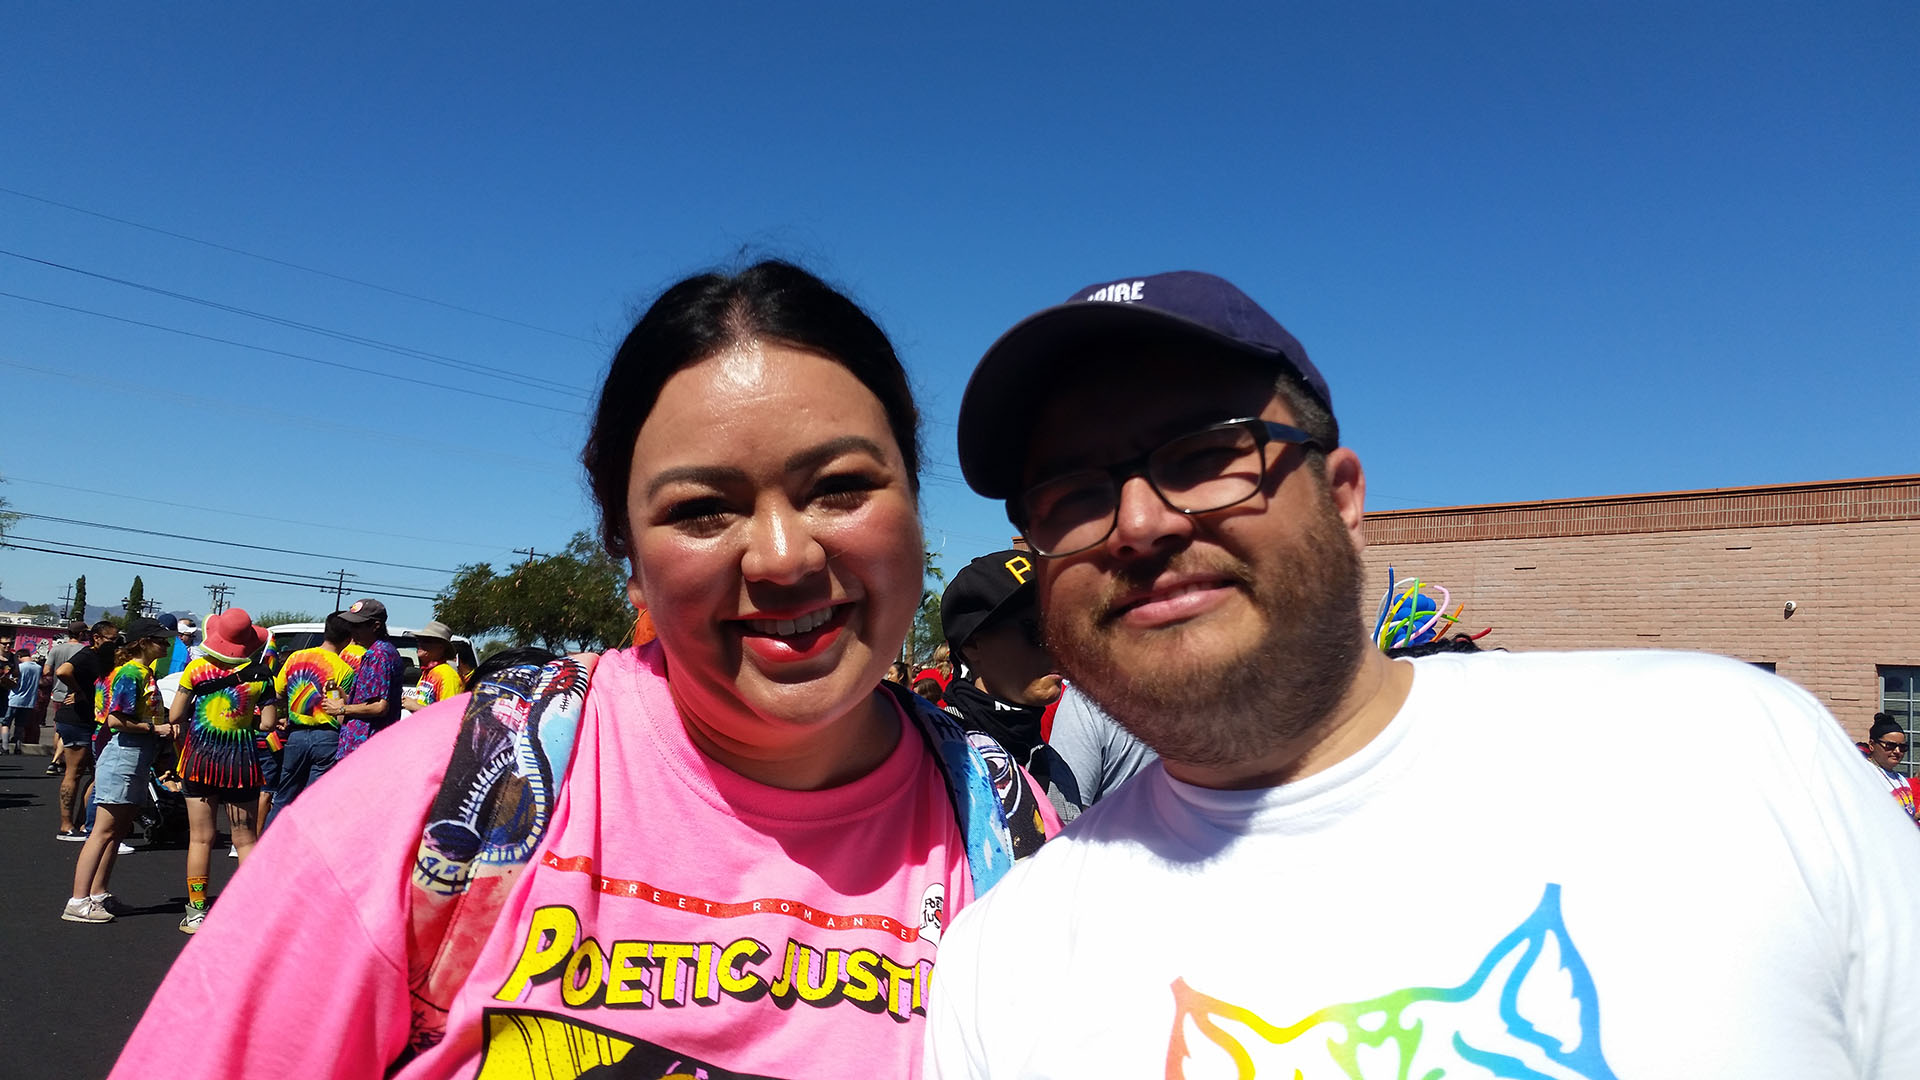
[1013, 378]
[364, 611]
[142, 627]
[984, 589]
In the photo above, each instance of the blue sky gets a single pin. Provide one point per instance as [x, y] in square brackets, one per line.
[1539, 250]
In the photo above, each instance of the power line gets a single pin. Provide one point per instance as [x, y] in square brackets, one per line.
[297, 266]
[468, 367]
[204, 400]
[211, 564]
[256, 517]
[182, 569]
[226, 543]
[294, 355]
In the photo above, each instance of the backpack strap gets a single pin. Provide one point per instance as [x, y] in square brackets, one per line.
[484, 824]
[992, 803]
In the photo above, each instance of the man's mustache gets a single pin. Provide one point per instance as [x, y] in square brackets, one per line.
[1141, 574]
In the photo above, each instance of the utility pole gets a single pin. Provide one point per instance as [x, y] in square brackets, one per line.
[66, 603]
[339, 586]
[219, 595]
[528, 552]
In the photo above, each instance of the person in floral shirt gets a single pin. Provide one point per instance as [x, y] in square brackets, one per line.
[375, 701]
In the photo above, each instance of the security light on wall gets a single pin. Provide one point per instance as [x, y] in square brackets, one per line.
[1791, 607]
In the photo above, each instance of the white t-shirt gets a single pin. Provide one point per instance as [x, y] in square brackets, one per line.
[1631, 864]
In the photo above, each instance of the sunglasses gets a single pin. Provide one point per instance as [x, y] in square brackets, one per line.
[1897, 747]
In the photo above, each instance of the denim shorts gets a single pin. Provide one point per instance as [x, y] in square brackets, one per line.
[74, 732]
[121, 776]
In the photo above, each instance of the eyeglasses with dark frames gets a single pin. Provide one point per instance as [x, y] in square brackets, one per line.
[1211, 469]
[1896, 747]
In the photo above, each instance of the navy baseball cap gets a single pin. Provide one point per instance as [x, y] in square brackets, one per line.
[1010, 383]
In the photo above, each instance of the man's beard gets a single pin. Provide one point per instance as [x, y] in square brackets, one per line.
[1214, 712]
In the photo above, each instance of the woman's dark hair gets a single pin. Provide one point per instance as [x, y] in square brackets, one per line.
[1883, 725]
[706, 314]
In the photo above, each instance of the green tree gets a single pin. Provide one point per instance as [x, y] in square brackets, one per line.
[575, 599]
[280, 618]
[927, 634]
[36, 609]
[78, 609]
[136, 597]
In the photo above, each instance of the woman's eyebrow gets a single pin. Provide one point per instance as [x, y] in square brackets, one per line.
[810, 459]
[711, 475]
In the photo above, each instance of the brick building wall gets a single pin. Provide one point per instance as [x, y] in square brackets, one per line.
[1704, 570]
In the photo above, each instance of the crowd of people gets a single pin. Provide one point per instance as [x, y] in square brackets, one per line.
[156, 711]
[1162, 809]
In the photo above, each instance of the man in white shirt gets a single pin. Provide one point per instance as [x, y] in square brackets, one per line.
[1352, 867]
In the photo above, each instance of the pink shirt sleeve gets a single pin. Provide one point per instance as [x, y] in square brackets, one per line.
[300, 969]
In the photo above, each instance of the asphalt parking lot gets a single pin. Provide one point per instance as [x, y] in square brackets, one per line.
[70, 993]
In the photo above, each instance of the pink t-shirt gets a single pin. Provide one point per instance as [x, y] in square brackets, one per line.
[677, 918]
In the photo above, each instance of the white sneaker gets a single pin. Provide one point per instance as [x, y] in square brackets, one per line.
[85, 909]
[233, 852]
[190, 924]
[126, 849]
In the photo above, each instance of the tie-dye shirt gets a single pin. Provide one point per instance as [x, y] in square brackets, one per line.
[352, 654]
[219, 749]
[130, 693]
[304, 682]
[437, 683]
[102, 687]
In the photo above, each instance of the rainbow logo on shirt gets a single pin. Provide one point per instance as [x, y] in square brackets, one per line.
[1529, 1011]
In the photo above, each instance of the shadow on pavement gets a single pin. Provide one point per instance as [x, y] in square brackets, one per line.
[53, 966]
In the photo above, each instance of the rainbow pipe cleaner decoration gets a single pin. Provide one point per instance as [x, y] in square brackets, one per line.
[1410, 616]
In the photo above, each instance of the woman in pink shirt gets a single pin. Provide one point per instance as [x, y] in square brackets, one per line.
[749, 860]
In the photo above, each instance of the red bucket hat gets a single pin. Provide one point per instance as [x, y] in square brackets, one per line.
[232, 635]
